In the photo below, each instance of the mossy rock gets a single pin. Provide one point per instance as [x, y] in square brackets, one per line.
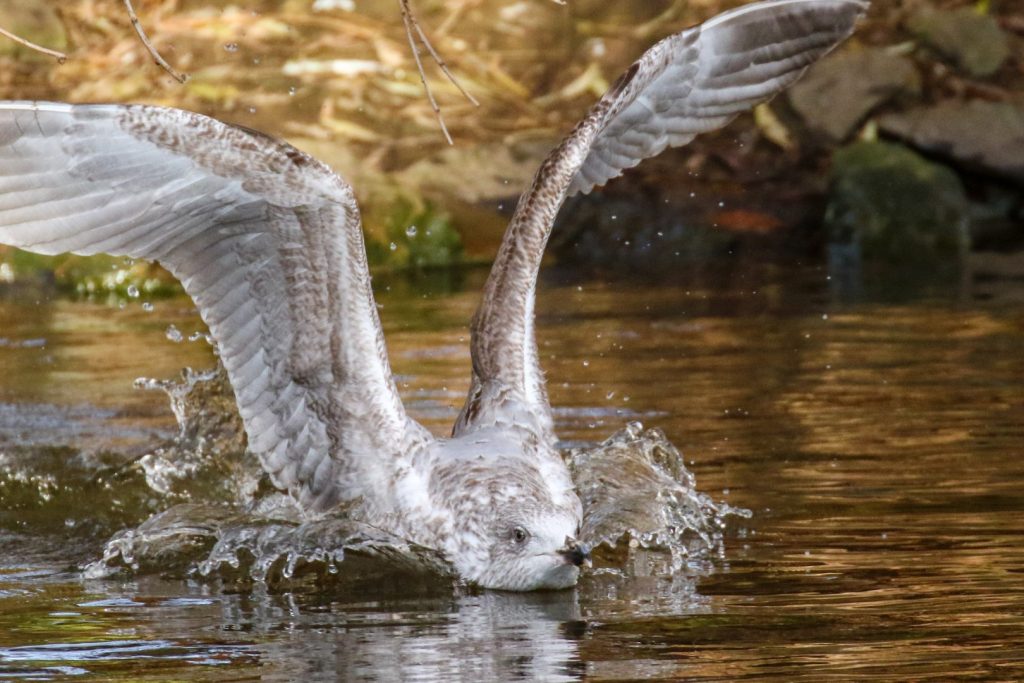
[969, 38]
[896, 206]
[89, 275]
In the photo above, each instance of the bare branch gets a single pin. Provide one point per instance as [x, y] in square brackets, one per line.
[409, 19]
[59, 56]
[441, 62]
[160, 61]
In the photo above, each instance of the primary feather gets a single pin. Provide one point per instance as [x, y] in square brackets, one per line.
[688, 83]
[265, 239]
[268, 243]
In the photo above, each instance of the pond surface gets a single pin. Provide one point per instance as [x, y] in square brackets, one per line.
[877, 441]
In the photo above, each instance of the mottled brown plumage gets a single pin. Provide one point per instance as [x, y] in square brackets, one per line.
[267, 241]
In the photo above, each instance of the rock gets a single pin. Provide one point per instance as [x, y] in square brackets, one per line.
[897, 206]
[973, 41]
[477, 173]
[982, 136]
[995, 265]
[636, 234]
[839, 91]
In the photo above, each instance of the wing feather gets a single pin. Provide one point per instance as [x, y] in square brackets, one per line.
[687, 84]
[265, 239]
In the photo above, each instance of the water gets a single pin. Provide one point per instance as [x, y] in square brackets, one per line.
[876, 441]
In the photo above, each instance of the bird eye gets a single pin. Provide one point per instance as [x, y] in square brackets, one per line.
[519, 534]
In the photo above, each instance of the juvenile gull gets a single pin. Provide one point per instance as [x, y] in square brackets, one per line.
[268, 242]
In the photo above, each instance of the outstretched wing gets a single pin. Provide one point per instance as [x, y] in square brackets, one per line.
[265, 239]
[689, 83]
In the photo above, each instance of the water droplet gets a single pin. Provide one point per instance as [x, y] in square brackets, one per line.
[586, 363]
[255, 60]
[252, 110]
[133, 291]
[392, 246]
[824, 316]
[410, 231]
[291, 91]
[147, 307]
[231, 47]
[173, 334]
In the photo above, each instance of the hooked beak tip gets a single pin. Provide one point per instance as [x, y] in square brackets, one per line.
[575, 553]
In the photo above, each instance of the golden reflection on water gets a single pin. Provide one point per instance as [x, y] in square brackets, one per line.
[878, 444]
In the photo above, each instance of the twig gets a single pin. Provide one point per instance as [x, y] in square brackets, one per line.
[59, 56]
[409, 19]
[441, 63]
[160, 61]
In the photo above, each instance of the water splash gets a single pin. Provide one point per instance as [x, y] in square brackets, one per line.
[642, 507]
[643, 513]
[207, 458]
[275, 546]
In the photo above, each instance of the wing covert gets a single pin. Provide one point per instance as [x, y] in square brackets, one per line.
[265, 239]
[699, 80]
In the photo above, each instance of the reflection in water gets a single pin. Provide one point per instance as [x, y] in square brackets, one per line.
[877, 443]
[490, 637]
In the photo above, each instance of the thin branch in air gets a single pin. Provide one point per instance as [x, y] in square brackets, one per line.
[160, 61]
[441, 63]
[409, 19]
[59, 56]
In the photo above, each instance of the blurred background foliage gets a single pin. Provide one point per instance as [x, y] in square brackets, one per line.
[937, 87]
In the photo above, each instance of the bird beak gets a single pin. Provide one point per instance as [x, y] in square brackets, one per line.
[575, 552]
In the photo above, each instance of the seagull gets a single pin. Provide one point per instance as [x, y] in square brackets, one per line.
[268, 243]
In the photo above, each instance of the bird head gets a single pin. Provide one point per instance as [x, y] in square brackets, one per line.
[513, 528]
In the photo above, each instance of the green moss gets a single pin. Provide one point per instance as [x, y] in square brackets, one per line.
[89, 275]
[410, 235]
[416, 236]
[896, 205]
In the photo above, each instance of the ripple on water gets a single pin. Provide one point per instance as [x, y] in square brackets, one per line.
[54, 660]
